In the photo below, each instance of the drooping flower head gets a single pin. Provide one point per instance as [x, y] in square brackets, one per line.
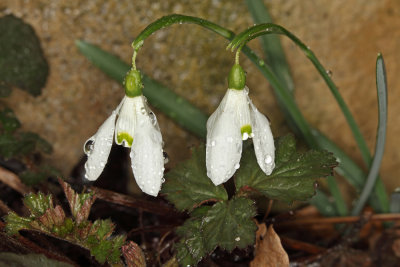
[132, 124]
[237, 119]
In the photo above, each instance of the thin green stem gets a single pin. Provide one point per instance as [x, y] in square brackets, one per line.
[134, 59]
[169, 20]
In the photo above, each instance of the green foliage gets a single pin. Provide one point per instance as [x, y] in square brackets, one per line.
[28, 260]
[293, 177]
[188, 186]
[22, 63]
[51, 219]
[227, 224]
[9, 121]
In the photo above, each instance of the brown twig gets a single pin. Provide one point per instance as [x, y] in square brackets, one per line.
[133, 202]
[334, 220]
[300, 245]
[13, 181]
[270, 203]
[150, 229]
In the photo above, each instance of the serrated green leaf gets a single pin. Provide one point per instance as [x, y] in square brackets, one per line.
[229, 224]
[14, 223]
[21, 58]
[191, 248]
[9, 121]
[294, 175]
[38, 203]
[187, 186]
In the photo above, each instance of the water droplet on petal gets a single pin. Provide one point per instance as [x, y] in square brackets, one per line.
[143, 110]
[163, 180]
[213, 143]
[88, 147]
[268, 159]
[166, 158]
[237, 166]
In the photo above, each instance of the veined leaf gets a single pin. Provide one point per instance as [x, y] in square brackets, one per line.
[227, 224]
[294, 175]
[187, 186]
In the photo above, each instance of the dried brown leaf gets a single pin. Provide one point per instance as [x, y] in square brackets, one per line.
[133, 255]
[53, 216]
[268, 251]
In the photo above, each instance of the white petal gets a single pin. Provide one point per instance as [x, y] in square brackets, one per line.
[224, 142]
[125, 126]
[147, 154]
[239, 100]
[98, 147]
[263, 141]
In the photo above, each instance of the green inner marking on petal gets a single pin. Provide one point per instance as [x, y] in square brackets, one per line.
[123, 136]
[246, 129]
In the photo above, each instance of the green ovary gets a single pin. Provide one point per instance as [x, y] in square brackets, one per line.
[246, 129]
[124, 136]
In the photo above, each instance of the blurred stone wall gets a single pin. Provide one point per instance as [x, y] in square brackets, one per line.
[345, 35]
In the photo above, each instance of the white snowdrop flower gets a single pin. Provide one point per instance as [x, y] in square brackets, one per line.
[132, 125]
[237, 119]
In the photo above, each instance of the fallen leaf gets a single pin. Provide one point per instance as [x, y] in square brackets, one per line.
[268, 251]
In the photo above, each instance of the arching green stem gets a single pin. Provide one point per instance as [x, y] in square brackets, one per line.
[267, 28]
[169, 20]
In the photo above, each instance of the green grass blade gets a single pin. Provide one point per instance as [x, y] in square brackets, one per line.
[275, 56]
[353, 173]
[380, 138]
[162, 98]
[337, 195]
[324, 205]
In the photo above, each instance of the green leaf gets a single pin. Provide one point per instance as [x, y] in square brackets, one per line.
[229, 224]
[9, 146]
[21, 58]
[38, 142]
[9, 121]
[27, 260]
[191, 248]
[187, 186]
[294, 175]
[5, 89]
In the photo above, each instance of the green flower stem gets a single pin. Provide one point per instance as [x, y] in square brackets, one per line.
[169, 20]
[380, 138]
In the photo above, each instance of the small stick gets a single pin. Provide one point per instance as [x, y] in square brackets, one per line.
[129, 201]
[349, 219]
[302, 246]
[13, 181]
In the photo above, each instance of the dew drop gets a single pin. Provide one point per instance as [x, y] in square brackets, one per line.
[143, 110]
[166, 158]
[213, 143]
[237, 239]
[88, 147]
[268, 159]
[163, 180]
[329, 72]
[237, 166]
